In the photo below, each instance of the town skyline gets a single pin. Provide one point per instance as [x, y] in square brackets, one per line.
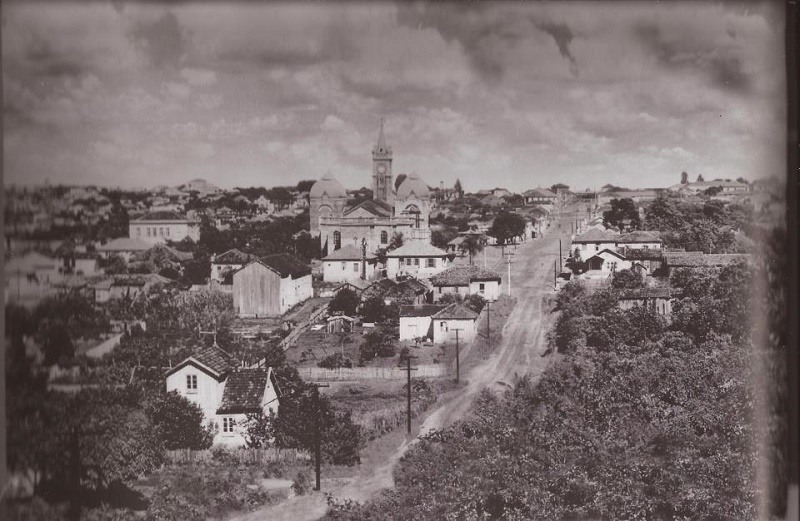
[522, 95]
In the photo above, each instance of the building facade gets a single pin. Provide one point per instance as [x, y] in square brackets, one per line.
[405, 210]
[159, 227]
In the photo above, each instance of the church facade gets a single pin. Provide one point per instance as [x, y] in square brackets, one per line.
[405, 210]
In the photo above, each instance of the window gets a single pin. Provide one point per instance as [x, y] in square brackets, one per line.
[416, 262]
[384, 237]
[138, 231]
[440, 290]
[443, 326]
[408, 262]
[344, 266]
[168, 231]
[228, 424]
[355, 267]
[431, 263]
[337, 240]
[148, 231]
[481, 287]
[191, 383]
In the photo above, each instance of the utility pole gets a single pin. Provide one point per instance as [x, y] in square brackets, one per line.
[559, 256]
[508, 261]
[488, 326]
[555, 274]
[408, 392]
[458, 369]
[318, 435]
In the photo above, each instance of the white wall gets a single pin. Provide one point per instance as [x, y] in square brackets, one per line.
[156, 232]
[208, 394]
[491, 289]
[420, 271]
[295, 291]
[414, 327]
[587, 250]
[345, 271]
[444, 331]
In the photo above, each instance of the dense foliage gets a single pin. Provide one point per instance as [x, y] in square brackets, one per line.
[346, 301]
[633, 422]
[506, 227]
[622, 215]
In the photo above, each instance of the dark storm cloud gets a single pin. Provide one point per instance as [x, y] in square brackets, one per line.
[43, 59]
[163, 39]
[720, 63]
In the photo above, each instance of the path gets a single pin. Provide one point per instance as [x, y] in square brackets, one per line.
[519, 353]
[106, 347]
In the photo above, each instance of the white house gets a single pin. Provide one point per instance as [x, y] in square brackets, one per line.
[455, 319]
[594, 241]
[124, 247]
[30, 277]
[156, 227]
[416, 259]
[415, 321]
[225, 393]
[639, 240]
[271, 286]
[345, 265]
[228, 262]
[466, 279]
[606, 262]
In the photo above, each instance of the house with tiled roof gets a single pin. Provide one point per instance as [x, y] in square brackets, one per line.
[377, 289]
[271, 286]
[604, 263]
[455, 319]
[416, 321]
[467, 279]
[539, 196]
[698, 259]
[639, 239]
[409, 291]
[225, 392]
[228, 262]
[346, 264]
[132, 286]
[594, 241]
[123, 247]
[416, 259]
[656, 298]
[163, 226]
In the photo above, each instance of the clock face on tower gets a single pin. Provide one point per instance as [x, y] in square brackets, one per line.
[381, 169]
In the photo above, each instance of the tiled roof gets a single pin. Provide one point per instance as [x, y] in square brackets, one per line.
[377, 208]
[162, 216]
[244, 390]
[595, 235]
[631, 193]
[233, 256]
[417, 249]
[416, 285]
[456, 311]
[347, 252]
[126, 244]
[640, 293]
[642, 253]
[424, 310]
[358, 284]
[695, 259]
[639, 236]
[606, 250]
[286, 264]
[539, 192]
[457, 241]
[140, 280]
[378, 289]
[215, 359]
[462, 275]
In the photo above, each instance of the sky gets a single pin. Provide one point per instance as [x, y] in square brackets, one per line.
[514, 95]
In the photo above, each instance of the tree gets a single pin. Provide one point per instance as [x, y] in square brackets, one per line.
[472, 245]
[684, 178]
[373, 310]
[345, 301]
[396, 241]
[305, 185]
[475, 302]
[623, 212]
[378, 342]
[458, 190]
[57, 345]
[179, 422]
[259, 430]
[507, 226]
[700, 178]
[626, 279]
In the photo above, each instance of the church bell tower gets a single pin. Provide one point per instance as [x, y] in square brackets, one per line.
[382, 183]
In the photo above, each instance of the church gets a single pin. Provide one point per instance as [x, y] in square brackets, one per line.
[405, 210]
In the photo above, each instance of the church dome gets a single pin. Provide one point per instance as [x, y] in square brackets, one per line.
[414, 184]
[327, 185]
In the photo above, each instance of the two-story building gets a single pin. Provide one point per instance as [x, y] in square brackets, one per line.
[416, 259]
[156, 227]
[594, 241]
[347, 264]
[224, 392]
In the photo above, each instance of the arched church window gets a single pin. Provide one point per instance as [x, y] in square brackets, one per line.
[337, 240]
[384, 237]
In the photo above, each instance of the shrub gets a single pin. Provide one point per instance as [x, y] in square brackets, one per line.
[334, 361]
[302, 483]
[345, 301]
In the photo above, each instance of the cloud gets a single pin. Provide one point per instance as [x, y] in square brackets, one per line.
[562, 35]
[199, 76]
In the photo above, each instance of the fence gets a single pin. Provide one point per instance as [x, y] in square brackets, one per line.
[244, 456]
[366, 373]
[297, 331]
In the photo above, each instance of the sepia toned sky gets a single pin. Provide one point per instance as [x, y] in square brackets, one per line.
[495, 94]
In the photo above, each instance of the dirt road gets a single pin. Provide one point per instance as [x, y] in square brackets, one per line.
[520, 352]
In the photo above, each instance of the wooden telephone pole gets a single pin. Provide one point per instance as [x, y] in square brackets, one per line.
[318, 437]
[458, 368]
[408, 392]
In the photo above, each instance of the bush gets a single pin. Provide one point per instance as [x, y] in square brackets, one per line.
[345, 301]
[335, 361]
[379, 342]
[302, 483]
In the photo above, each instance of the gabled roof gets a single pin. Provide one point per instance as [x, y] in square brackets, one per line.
[606, 250]
[213, 359]
[639, 236]
[244, 391]
[641, 293]
[462, 275]
[540, 192]
[286, 264]
[379, 288]
[140, 280]
[643, 253]
[595, 235]
[347, 252]
[377, 208]
[423, 310]
[417, 249]
[126, 244]
[233, 256]
[456, 311]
